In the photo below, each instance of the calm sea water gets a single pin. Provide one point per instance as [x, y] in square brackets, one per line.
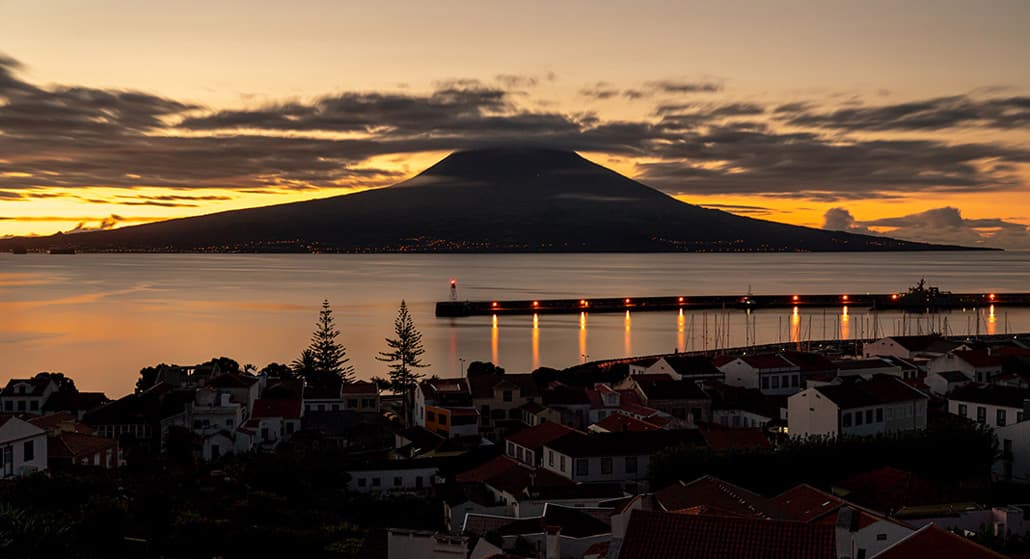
[100, 318]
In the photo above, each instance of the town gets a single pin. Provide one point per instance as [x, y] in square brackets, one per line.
[881, 448]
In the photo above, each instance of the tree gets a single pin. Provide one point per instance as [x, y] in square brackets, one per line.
[329, 355]
[404, 355]
[277, 370]
[63, 383]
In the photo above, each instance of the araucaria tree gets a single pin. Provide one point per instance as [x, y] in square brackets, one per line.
[330, 358]
[404, 353]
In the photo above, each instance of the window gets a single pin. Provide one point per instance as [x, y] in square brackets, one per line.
[981, 414]
[776, 382]
[484, 411]
[582, 467]
[881, 537]
[794, 381]
[397, 482]
[1019, 417]
[418, 482]
[606, 465]
[520, 455]
[631, 464]
[362, 482]
[228, 423]
[507, 395]
[858, 418]
[9, 405]
[29, 452]
[289, 427]
[879, 415]
[352, 402]
[21, 405]
[376, 482]
[765, 383]
[216, 451]
[736, 421]
[321, 407]
[550, 458]
[962, 410]
[561, 462]
[370, 402]
[34, 405]
[869, 416]
[511, 448]
[845, 419]
[1000, 419]
[443, 419]
[430, 416]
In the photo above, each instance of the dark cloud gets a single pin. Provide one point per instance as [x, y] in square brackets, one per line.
[600, 90]
[741, 209]
[931, 114]
[939, 225]
[74, 136]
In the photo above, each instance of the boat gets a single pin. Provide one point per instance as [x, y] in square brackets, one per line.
[923, 298]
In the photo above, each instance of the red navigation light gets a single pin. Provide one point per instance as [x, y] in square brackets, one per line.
[454, 283]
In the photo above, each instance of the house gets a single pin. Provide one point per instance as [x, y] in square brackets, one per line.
[867, 368]
[71, 443]
[570, 402]
[620, 422]
[861, 532]
[525, 445]
[361, 396]
[74, 402]
[941, 383]
[662, 535]
[142, 420]
[919, 348]
[23, 447]
[678, 367]
[323, 397]
[989, 404]
[27, 395]
[393, 476]
[938, 543]
[682, 399]
[583, 495]
[438, 402]
[979, 365]
[610, 457]
[534, 414]
[557, 533]
[772, 374]
[605, 400]
[499, 397]
[424, 544]
[1014, 462]
[881, 405]
[243, 389]
[745, 408]
[452, 422]
[274, 420]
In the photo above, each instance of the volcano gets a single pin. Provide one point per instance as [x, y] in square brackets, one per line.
[485, 200]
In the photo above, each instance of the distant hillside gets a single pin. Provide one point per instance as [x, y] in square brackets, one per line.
[489, 200]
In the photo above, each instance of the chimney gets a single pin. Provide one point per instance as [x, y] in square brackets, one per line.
[552, 546]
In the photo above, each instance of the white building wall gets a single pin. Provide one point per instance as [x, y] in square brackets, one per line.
[990, 412]
[23, 448]
[409, 480]
[809, 413]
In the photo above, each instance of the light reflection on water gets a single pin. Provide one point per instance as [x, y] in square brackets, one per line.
[100, 318]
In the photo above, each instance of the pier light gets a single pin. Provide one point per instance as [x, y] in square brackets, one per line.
[583, 303]
[536, 304]
[795, 298]
[494, 304]
[681, 299]
[991, 296]
[894, 296]
[627, 301]
[454, 282]
[843, 297]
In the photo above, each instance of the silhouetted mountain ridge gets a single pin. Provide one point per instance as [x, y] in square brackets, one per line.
[487, 200]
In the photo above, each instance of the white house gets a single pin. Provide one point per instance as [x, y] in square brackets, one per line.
[393, 476]
[273, 421]
[942, 383]
[23, 447]
[772, 374]
[1014, 462]
[424, 544]
[882, 405]
[989, 404]
[610, 457]
[978, 365]
[910, 347]
[26, 395]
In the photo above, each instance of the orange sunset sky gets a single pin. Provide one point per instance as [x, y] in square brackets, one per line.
[906, 118]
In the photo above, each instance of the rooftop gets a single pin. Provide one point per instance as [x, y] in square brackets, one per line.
[657, 535]
[993, 394]
[938, 543]
[880, 390]
[578, 445]
[535, 437]
[714, 492]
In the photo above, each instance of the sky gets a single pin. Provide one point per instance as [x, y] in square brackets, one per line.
[907, 118]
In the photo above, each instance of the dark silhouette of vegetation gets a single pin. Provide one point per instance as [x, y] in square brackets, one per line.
[277, 370]
[63, 383]
[477, 368]
[404, 355]
[224, 365]
[148, 377]
[933, 454]
[330, 357]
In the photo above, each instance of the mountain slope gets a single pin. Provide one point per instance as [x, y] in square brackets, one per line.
[503, 199]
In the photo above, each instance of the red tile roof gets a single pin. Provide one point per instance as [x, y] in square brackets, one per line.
[712, 491]
[360, 387]
[768, 361]
[487, 470]
[656, 535]
[937, 543]
[978, 358]
[805, 503]
[286, 409]
[534, 438]
[77, 445]
[618, 422]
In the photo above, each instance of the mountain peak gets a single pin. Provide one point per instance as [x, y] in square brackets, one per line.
[509, 162]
